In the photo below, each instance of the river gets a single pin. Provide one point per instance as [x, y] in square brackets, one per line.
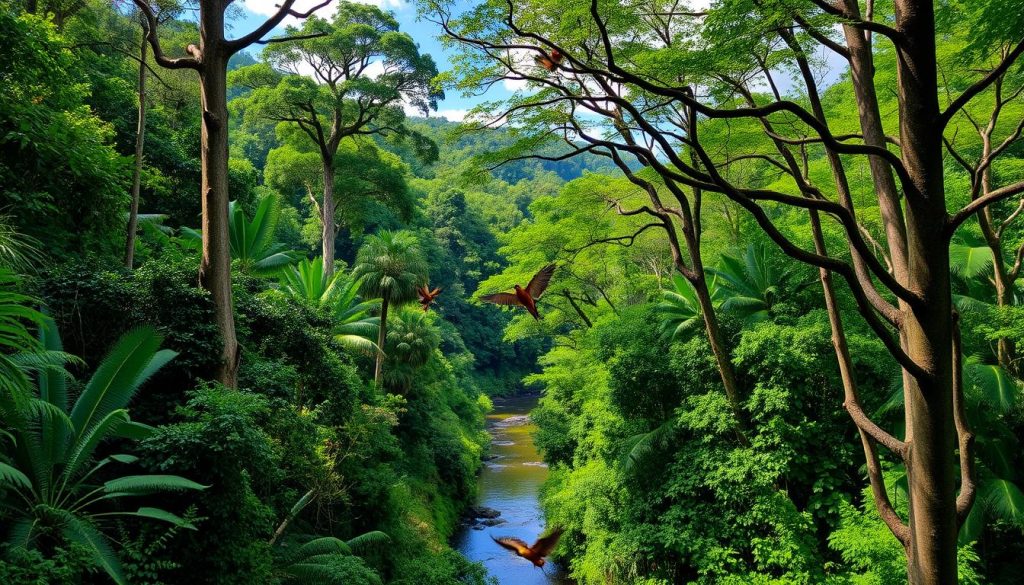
[510, 483]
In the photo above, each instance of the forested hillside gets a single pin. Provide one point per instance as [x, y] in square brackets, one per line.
[760, 259]
[268, 481]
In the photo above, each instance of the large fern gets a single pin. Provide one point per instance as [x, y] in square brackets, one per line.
[50, 482]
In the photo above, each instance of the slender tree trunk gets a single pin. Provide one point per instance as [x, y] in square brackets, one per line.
[862, 72]
[1006, 349]
[327, 219]
[928, 324]
[215, 268]
[381, 334]
[140, 140]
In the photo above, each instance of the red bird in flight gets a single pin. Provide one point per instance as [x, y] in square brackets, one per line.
[536, 553]
[525, 297]
[549, 62]
[427, 296]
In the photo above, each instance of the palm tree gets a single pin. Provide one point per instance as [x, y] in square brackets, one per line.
[751, 285]
[390, 267]
[252, 242]
[353, 327]
[51, 480]
[410, 342]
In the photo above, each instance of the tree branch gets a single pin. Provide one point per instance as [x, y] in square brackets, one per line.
[965, 437]
[979, 203]
[162, 59]
[285, 9]
[981, 84]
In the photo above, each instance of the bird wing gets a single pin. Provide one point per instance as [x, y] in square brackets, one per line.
[513, 544]
[546, 62]
[502, 299]
[435, 292]
[423, 292]
[539, 282]
[546, 544]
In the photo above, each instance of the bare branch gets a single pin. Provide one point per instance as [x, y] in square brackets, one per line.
[980, 203]
[965, 437]
[284, 9]
[291, 38]
[193, 62]
[982, 84]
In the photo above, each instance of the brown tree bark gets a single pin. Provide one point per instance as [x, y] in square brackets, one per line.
[927, 326]
[327, 219]
[140, 141]
[215, 266]
[210, 59]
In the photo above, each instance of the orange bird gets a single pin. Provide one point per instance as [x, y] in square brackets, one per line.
[525, 297]
[536, 553]
[549, 62]
[427, 296]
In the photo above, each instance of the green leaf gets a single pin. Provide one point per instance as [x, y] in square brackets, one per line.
[147, 484]
[991, 385]
[164, 515]
[1004, 500]
[130, 362]
[85, 534]
[368, 541]
[13, 476]
[969, 261]
[324, 546]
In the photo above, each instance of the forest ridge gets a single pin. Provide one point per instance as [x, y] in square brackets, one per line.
[761, 259]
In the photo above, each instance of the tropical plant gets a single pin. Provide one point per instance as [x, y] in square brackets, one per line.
[390, 267]
[991, 394]
[680, 308]
[322, 560]
[252, 242]
[410, 342]
[17, 250]
[52, 481]
[353, 327]
[750, 286]
[16, 344]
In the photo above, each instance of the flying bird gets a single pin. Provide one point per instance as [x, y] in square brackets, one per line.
[427, 296]
[536, 553]
[525, 297]
[549, 62]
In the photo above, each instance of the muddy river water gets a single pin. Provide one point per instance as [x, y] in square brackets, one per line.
[510, 483]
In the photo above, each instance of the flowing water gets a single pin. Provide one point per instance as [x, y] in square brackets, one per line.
[510, 483]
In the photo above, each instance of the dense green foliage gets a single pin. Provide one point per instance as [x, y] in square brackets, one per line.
[351, 446]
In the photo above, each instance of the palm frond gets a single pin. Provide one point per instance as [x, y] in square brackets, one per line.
[147, 484]
[368, 541]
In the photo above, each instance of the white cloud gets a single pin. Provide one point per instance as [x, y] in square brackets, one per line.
[453, 115]
[514, 84]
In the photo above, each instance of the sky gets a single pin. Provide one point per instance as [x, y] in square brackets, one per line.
[453, 107]
[425, 33]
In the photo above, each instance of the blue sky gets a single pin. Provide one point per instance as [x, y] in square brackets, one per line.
[426, 34]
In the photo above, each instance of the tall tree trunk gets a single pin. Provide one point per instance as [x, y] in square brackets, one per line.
[327, 219]
[215, 268]
[862, 72]
[1006, 349]
[381, 334]
[140, 140]
[928, 324]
